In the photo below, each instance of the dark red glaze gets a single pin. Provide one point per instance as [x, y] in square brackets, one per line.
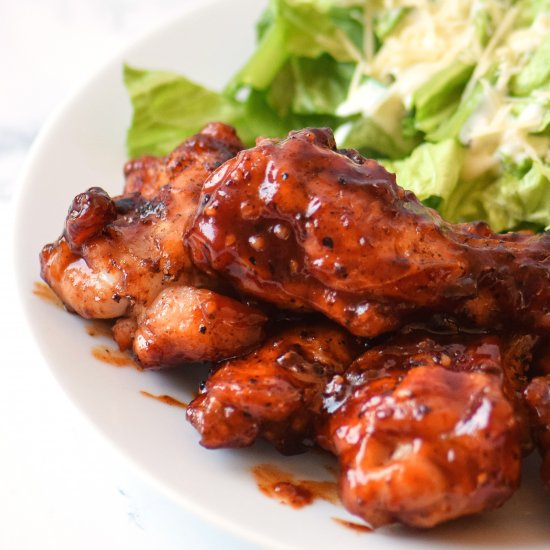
[88, 215]
[429, 427]
[298, 223]
[124, 258]
[274, 392]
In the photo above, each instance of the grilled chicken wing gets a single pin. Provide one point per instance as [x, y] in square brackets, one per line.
[274, 392]
[428, 427]
[118, 254]
[297, 223]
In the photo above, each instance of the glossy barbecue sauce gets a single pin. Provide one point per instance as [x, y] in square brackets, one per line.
[167, 399]
[114, 357]
[99, 328]
[287, 489]
[42, 290]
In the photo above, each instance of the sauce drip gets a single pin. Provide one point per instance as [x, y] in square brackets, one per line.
[284, 487]
[99, 328]
[114, 357]
[359, 527]
[169, 400]
[42, 290]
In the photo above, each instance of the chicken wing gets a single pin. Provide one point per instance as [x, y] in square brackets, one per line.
[298, 223]
[428, 427]
[275, 392]
[117, 255]
[187, 324]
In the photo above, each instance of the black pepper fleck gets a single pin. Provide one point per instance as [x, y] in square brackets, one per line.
[328, 242]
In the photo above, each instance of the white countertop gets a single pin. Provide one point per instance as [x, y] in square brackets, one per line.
[62, 486]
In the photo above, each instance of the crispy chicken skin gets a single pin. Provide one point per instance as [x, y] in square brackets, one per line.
[186, 167]
[117, 255]
[275, 392]
[298, 223]
[426, 428]
[537, 395]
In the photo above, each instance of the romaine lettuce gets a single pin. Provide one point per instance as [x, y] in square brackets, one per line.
[431, 171]
[481, 96]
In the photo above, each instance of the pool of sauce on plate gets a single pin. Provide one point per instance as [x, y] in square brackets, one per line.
[43, 291]
[287, 489]
[107, 354]
[99, 328]
[358, 527]
[167, 399]
[114, 357]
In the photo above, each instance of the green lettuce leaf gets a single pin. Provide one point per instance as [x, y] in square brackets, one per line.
[310, 86]
[310, 68]
[510, 202]
[432, 171]
[366, 135]
[529, 10]
[386, 21]
[261, 119]
[296, 28]
[437, 99]
[536, 72]
[168, 108]
[519, 198]
[451, 127]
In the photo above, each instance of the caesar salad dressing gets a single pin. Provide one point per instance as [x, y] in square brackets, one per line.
[429, 39]
[382, 104]
[501, 127]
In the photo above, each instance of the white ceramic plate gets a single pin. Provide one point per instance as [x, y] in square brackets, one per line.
[83, 146]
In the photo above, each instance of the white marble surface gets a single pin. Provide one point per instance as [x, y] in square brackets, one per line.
[62, 487]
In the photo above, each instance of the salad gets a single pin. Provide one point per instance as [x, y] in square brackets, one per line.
[453, 96]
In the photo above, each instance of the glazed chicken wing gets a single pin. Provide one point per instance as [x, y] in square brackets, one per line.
[428, 427]
[186, 324]
[274, 392]
[117, 255]
[298, 223]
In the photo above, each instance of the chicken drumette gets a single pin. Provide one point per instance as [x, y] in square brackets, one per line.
[125, 258]
[300, 224]
[275, 392]
[429, 427]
